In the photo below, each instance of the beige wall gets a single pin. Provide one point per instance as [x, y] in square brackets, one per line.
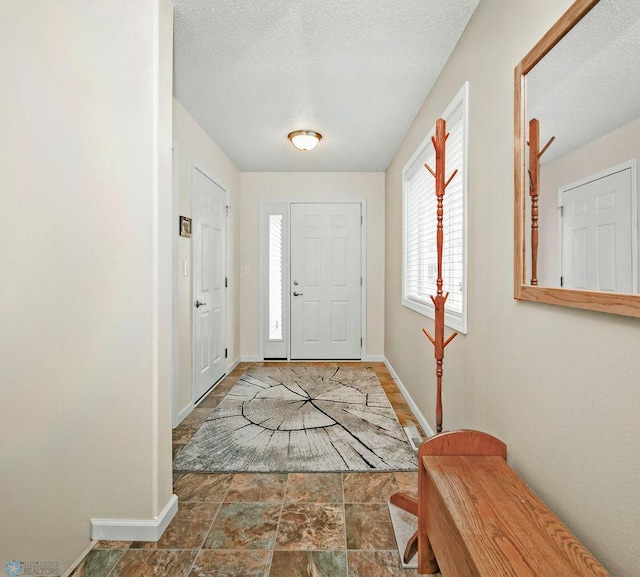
[85, 297]
[559, 386]
[193, 144]
[614, 148]
[321, 187]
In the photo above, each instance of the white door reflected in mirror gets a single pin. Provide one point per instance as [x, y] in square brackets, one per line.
[585, 92]
[598, 234]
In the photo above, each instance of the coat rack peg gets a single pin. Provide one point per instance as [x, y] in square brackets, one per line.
[433, 341]
[546, 146]
[430, 170]
[453, 336]
[451, 178]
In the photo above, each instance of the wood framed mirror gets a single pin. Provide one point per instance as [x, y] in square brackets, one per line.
[578, 89]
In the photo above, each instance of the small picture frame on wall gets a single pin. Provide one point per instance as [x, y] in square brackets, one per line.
[185, 226]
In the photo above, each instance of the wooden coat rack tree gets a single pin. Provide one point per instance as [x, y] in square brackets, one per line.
[439, 301]
[439, 343]
[535, 154]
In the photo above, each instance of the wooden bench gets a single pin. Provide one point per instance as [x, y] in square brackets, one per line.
[477, 518]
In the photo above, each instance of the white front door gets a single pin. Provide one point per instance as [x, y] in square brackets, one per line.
[598, 234]
[325, 281]
[209, 215]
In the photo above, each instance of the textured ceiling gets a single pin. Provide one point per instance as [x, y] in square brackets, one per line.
[589, 84]
[251, 71]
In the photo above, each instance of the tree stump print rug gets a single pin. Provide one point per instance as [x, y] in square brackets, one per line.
[301, 419]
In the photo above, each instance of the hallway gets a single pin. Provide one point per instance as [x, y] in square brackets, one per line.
[269, 524]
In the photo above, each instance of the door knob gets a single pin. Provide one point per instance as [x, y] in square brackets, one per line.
[295, 282]
[199, 304]
[297, 294]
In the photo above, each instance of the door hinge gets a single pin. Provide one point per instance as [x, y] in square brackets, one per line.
[561, 281]
[226, 210]
[226, 282]
[226, 353]
[561, 209]
[361, 341]
[361, 220]
[360, 281]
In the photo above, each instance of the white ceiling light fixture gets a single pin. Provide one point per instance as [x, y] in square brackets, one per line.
[304, 139]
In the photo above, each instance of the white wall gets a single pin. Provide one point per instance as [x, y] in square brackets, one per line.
[558, 385]
[614, 148]
[85, 297]
[320, 187]
[192, 143]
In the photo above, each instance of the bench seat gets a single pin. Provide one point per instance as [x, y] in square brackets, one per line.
[481, 520]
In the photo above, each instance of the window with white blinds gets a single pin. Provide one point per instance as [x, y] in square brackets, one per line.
[275, 277]
[420, 259]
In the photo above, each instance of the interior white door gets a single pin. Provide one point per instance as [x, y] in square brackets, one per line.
[598, 234]
[325, 281]
[209, 216]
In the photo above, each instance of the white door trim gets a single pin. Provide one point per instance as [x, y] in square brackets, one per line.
[631, 165]
[262, 281]
[202, 168]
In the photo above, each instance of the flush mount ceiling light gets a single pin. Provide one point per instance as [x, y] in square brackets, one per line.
[304, 139]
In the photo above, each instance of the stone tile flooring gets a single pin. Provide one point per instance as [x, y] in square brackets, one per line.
[269, 524]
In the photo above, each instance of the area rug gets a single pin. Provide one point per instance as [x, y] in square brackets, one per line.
[301, 419]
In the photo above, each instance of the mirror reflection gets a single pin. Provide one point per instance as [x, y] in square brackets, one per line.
[585, 94]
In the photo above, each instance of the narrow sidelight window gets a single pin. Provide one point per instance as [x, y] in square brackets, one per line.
[275, 277]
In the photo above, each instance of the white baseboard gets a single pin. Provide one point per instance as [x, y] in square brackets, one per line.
[407, 397]
[184, 413]
[134, 529]
[258, 359]
[79, 559]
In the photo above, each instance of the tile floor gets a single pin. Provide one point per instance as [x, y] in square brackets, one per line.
[269, 524]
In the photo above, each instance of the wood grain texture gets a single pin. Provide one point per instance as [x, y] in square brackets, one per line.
[427, 563]
[404, 502]
[557, 32]
[485, 522]
[613, 303]
[519, 250]
[309, 418]
[462, 442]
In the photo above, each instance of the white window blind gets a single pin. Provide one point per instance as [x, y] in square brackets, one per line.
[275, 276]
[420, 223]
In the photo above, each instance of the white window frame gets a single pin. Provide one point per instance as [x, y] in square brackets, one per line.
[273, 348]
[425, 307]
